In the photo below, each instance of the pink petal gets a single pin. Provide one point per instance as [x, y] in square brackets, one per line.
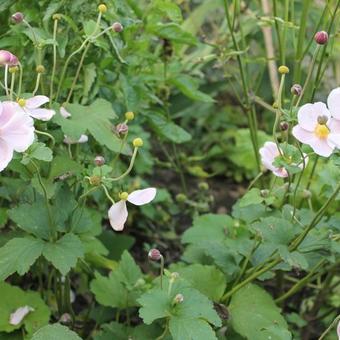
[334, 125]
[321, 147]
[308, 115]
[333, 140]
[333, 102]
[303, 135]
[268, 153]
[64, 113]
[36, 101]
[280, 172]
[19, 314]
[42, 114]
[141, 197]
[6, 154]
[118, 215]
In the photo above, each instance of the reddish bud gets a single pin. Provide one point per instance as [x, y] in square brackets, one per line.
[321, 37]
[296, 89]
[17, 17]
[117, 27]
[99, 160]
[8, 58]
[154, 255]
[284, 126]
[122, 129]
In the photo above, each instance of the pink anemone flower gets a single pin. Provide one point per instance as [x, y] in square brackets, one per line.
[317, 128]
[8, 58]
[118, 213]
[16, 132]
[269, 152]
[32, 107]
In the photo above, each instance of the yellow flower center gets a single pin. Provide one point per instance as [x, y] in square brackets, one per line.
[22, 102]
[123, 196]
[321, 131]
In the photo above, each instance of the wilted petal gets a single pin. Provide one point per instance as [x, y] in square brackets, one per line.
[64, 113]
[42, 114]
[6, 154]
[19, 314]
[141, 197]
[118, 215]
[333, 102]
[308, 115]
[36, 101]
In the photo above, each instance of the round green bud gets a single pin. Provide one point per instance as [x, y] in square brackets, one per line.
[129, 115]
[102, 8]
[181, 198]
[137, 142]
[40, 69]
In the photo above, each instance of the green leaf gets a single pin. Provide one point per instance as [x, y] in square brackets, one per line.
[168, 129]
[206, 279]
[189, 87]
[3, 217]
[18, 254]
[32, 218]
[89, 78]
[255, 316]
[62, 165]
[128, 271]
[173, 32]
[95, 119]
[194, 329]
[13, 298]
[55, 332]
[253, 196]
[64, 253]
[37, 151]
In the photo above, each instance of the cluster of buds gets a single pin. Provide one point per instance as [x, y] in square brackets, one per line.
[8, 58]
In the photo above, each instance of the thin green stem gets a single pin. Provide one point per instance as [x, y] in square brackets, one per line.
[333, 324]
[55, 29]
[107, 194]
[12, 85]
[37, 83]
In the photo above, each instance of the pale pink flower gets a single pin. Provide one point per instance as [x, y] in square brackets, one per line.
[317, 129]
[8, 58]
[269, 152]
[32, 107]
[16, 132]
[82, 139]
[118, 213]
[17, 316]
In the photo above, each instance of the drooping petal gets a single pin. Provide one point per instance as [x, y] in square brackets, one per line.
[308, 115]
[64, 113]
[42, 114]
[141, 197]
[6, 155]
[333, 102]
[302, 135]
[321, 147]
[36, 101]
[118, 215]
[17, 316]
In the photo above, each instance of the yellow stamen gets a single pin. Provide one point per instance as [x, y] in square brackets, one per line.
[321, 131]
[22, 102]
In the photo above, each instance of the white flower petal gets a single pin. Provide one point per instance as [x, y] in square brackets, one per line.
[333, 140]
[6, 154]
[333, 102]
[308, 115]
[118, 215]
[36, 101]
[42, 114]
[17, 316]
[64, 113]
[82, 139]
[280, 172]
[303, 135]
[141, 197]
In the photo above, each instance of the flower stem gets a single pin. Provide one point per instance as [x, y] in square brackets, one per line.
[330, 327]
[55, 28]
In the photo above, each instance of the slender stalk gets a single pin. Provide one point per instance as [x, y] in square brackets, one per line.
[6, 80]
[37, 83]
[335, 321]
[55, 28]
[12, 85]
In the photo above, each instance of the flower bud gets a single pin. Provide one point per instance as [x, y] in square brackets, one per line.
[117, 27]
[8, 58]
[137, 142]
[56, 16]
[102, 8]
[122, 129]
[129, 115]
[17, 17]
[283, 69]
[179, 298]
[203, 186]
[174, 276]
[66, 319]
[95, 180]
[284, 126]
[296, 90]
[181, 198]
[321, 37]
[40, 69]
[99, 160]
[264, 193]
[13, 69]
[306, 194]
[154, 255]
